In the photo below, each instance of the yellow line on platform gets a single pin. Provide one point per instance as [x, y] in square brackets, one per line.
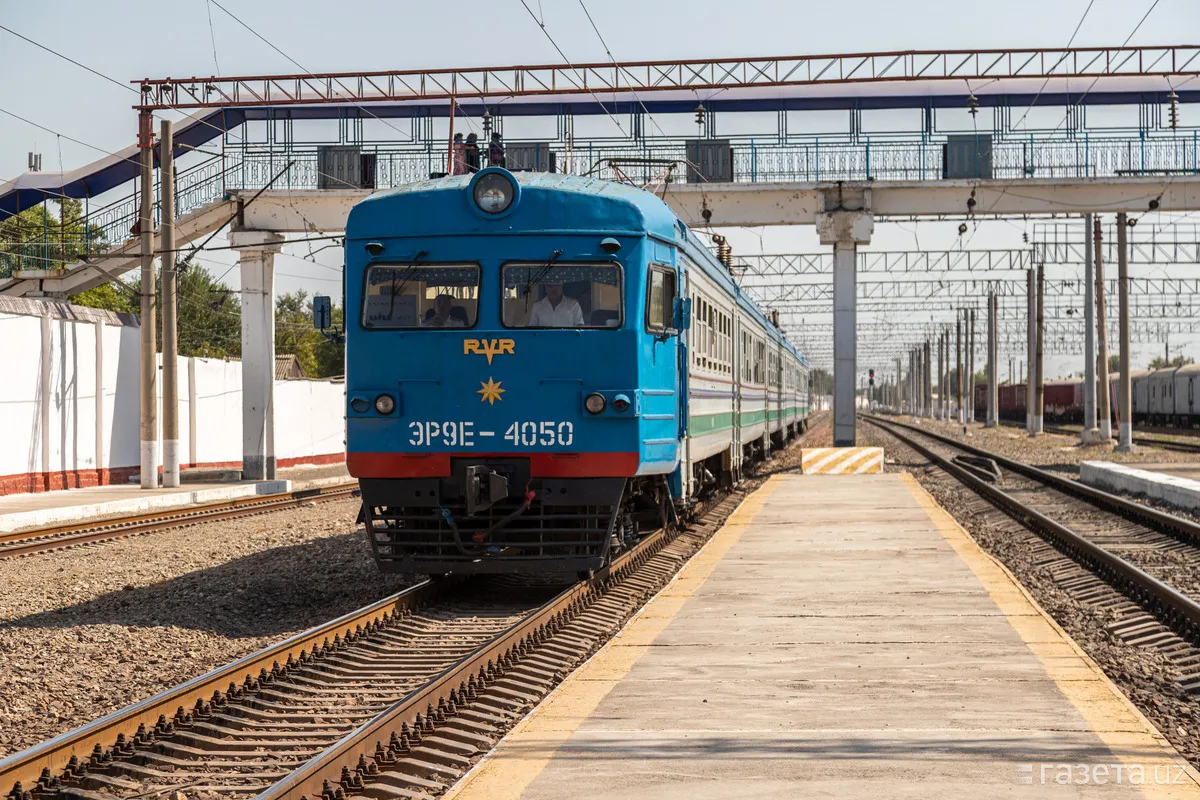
[1130, 736]
[532, 744]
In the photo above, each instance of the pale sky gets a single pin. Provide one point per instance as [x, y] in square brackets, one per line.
[131, 39]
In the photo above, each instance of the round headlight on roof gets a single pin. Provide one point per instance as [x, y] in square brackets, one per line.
[493, 192]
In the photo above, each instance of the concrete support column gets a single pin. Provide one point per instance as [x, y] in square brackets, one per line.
[1104, 410]
[1091, 433]
[170, 311]
[1030, 346]
[844, 229]
[1125, 392]
[1039, 389]
[993, 363]
[256, 257]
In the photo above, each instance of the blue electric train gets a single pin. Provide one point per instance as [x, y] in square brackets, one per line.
[541, 368]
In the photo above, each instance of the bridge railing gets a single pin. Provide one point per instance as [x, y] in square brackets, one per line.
[54, 245]
[39, 241]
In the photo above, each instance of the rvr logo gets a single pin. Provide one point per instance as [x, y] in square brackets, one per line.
[488, 347]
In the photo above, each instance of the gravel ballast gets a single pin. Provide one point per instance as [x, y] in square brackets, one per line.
[87, 631]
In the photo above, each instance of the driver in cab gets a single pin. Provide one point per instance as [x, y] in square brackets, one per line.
[441, 315]
[556, 310]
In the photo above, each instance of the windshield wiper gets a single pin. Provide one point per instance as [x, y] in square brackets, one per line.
[399, 281]
[542, 272]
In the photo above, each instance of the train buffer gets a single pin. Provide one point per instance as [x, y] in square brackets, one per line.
[836, 638]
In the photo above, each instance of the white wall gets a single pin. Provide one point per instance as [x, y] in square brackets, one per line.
[52, 426]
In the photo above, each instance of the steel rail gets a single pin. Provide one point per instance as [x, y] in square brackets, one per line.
[52, 757]
[362, 745]
[1175, 609]
[1147, 441]
[58, 537]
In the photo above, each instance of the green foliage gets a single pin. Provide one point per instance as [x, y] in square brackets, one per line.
[210, 313]
[210, 321]
[51, 235]
[294, 333]
[1160, 362]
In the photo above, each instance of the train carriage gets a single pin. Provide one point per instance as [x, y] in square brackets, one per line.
[540, 368]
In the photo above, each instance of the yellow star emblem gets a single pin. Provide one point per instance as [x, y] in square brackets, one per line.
[490, 392]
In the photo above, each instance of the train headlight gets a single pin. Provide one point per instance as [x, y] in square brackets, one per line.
[594, 403]
[493, 192]
[360, 404]
[620, 402]
[384, 404]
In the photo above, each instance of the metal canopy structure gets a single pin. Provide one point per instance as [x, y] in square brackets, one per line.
[1000, 73]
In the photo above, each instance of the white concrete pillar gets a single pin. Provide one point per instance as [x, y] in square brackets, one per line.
[844, 230]
[256, 258]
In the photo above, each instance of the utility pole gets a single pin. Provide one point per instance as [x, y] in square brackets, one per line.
[1125, 394]
[941, 377]
[949, 390]
[971, 367]
[926, 380]
[1030, 346]
[149, 367]
[958, 382]
[1090, 433]
[1105, 412]
[170, 312]
[993, 368]
[1039, 397]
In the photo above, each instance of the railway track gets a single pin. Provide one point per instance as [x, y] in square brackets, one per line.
[59, 537]
[1137, 563]
[1142, 440]
[400, 697]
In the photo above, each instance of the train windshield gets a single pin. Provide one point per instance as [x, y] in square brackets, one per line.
[421, 296]
[561, 295]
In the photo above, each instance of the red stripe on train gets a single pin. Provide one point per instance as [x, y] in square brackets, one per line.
[541, 465]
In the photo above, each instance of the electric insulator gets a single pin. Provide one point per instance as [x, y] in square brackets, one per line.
[1173, 110]
[962, 228]
[973, 104]
[700, 114]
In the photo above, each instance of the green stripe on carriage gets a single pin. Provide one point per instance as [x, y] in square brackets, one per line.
[704, 424]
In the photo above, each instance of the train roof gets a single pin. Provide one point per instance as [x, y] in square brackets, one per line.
[622, 207]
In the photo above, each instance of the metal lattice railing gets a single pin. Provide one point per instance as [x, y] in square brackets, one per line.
[646, 162]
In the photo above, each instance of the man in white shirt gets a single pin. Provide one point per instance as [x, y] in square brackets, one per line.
[556, 310]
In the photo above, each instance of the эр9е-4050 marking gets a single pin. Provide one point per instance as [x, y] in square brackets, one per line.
[541, 368]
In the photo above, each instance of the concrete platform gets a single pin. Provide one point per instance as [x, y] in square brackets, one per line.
[839, 637]
[39, 509]
[1177, 484]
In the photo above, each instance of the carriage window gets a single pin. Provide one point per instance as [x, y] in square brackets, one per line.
[660, 300]
[561, 295]
[421, 296]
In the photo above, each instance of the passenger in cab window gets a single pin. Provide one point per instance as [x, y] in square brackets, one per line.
[443, 315]
[556, 310]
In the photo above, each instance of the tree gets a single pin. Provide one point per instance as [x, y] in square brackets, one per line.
[319, 356]
[210, 314]
[36, 238]
[1160, 362]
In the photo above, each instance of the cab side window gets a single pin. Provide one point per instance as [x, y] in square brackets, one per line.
[660, 299]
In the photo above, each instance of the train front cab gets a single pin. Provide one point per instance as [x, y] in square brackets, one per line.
[514, 441]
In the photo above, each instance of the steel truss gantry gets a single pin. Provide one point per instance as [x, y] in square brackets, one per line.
[994, 69]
